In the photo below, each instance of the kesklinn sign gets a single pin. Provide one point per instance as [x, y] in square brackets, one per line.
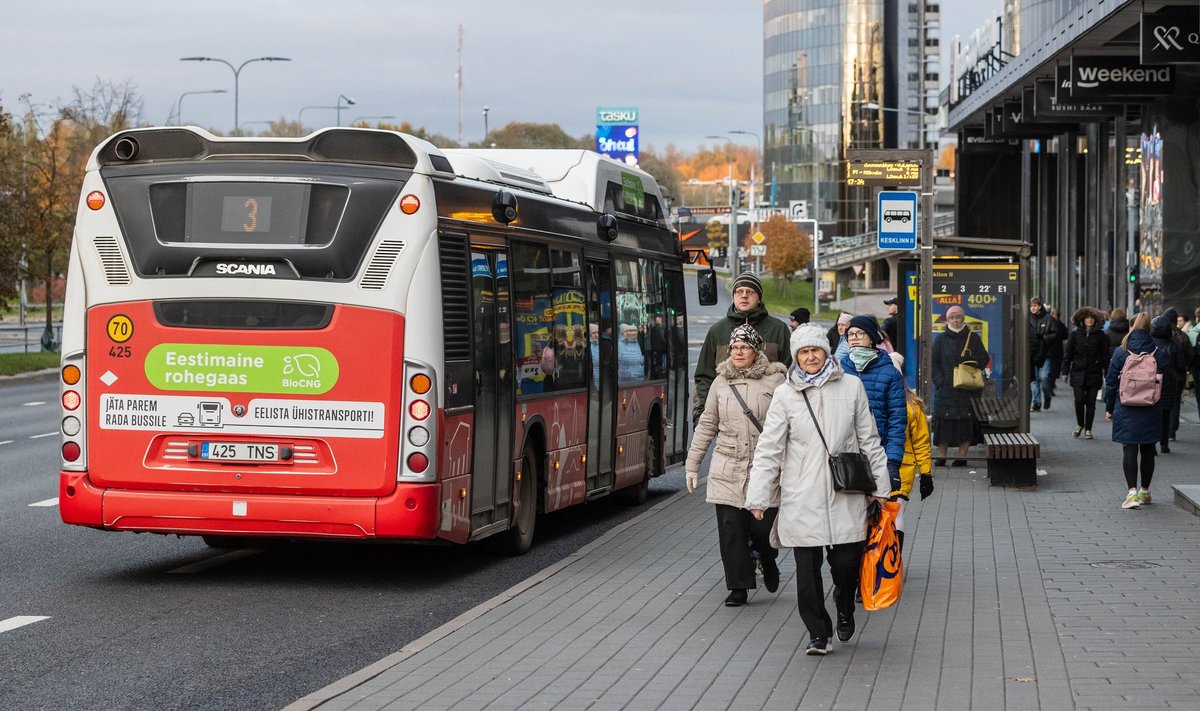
[1098, 77]
[897, 215]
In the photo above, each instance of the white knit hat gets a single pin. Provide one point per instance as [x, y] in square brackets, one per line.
[809, 334]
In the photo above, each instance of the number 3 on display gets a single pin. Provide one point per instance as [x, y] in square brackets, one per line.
[251, 206]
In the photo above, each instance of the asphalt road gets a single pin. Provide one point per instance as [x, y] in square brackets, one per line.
[142, 621]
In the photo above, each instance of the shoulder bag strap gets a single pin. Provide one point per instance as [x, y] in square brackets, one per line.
[966, 344]
[815, 423]
[745, 408]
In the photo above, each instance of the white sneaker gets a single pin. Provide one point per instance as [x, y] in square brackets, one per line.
[1144, 496]
[1133, 501]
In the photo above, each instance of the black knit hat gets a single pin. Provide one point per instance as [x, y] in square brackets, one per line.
[748, 279]
[868, 325]
[801, 315]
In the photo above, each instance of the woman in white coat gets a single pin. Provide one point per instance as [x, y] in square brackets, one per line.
[813, 517]
[745, 383]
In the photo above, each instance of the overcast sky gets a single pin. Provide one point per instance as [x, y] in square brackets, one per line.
[692, 67]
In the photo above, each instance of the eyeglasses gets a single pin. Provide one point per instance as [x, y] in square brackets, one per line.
[744, 291]
[740, 349]
[856, 334]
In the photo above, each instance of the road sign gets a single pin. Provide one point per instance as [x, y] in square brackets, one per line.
[897, 219]
[759, 238]
[758, 250]
[857, 268]
[798, 210]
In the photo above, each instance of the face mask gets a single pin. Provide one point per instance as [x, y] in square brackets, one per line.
[861, 356]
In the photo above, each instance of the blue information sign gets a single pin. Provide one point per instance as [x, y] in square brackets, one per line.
[897, 219]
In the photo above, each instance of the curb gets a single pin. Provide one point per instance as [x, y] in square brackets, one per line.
[347, 683]
[31, 375]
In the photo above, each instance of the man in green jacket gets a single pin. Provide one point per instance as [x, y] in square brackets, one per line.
[747, 308]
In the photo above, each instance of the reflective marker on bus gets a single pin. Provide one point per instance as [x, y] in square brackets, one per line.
[355, 334]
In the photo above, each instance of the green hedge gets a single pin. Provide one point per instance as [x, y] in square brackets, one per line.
[14, 363]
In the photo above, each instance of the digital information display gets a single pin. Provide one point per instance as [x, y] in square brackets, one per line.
[882, 173]
[247, 213]
[954, 279]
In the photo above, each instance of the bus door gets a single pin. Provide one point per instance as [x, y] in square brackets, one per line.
[601, 331]
[679, 411]
[491, 468]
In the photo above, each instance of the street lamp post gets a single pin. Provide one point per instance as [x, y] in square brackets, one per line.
[236, 74]
[485, 124]
[816, 214]
[872, 106]
[732, 207]
[340, 99]
[758, 150]
[179, 104]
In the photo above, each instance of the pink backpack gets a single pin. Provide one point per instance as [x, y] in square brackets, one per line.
[1141, 383]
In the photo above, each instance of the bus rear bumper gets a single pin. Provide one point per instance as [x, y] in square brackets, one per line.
[410, 512]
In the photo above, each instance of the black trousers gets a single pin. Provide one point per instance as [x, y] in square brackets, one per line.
[1085, 406]
[844, 562]
[734, 526]
[1130, 464]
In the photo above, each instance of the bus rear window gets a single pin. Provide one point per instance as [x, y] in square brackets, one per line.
[247, 213]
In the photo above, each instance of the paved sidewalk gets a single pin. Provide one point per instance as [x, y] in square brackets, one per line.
[1053, 598]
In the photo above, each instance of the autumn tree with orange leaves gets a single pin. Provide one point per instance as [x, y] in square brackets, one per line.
[789, 248]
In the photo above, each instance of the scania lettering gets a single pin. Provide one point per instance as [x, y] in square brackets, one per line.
[455, 342]
[246, 269]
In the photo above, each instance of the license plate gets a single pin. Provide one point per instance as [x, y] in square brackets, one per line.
[239, 451]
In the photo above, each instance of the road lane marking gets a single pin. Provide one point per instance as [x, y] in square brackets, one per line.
[215, 561]
[47, 502]
[35, 403]
[20, 621]
[47, 434]
[7, 441]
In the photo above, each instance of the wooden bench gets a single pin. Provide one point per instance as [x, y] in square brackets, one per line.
[1012, 458]
[995, 414]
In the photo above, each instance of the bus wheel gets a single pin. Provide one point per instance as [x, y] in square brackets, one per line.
[519, 538]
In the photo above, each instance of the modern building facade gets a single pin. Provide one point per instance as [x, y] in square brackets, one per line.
[841, 74]
[1098, 177]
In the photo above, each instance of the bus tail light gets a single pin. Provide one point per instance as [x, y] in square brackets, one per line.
[418, 440]
[73, 382]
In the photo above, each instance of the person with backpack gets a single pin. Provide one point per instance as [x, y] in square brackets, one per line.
[1161, 328]
[1132, 392]
[1085, 359]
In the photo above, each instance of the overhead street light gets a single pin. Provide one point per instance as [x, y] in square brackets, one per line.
[485, 124]
[872, 106]
[340, 99]
[237, 71]
[179, 104]
[758, 150]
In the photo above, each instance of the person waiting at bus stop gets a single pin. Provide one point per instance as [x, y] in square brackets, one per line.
[733, 414]
[746, 308]
[815, 521]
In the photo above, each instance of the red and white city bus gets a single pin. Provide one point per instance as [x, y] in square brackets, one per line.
[356, 334]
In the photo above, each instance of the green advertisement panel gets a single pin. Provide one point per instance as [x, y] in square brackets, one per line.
[297, 370]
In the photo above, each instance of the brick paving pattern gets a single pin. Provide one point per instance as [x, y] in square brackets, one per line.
[1053, 598]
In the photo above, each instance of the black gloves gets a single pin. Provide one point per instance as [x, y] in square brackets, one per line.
[894, 473]
[926, 486]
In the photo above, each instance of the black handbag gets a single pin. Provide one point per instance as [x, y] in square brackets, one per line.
[851, 471]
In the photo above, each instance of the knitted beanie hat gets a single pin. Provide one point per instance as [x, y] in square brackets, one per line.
[809, 334]
[868, 325]
[750, 280]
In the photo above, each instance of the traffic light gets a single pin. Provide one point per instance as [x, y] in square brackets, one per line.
[1133, 276]
[737, 196]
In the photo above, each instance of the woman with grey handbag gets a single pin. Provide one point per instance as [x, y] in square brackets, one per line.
[736, 405]
[816, 415]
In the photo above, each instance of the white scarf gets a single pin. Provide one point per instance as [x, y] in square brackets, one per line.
[818, 378]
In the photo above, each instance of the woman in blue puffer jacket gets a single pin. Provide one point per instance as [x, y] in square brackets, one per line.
[885, 388]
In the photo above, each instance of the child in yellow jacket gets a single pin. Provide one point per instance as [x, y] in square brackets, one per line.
[918, 455]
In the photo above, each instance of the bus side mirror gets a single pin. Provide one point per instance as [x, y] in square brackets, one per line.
[706, 286]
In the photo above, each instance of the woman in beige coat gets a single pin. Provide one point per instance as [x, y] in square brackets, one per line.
[790, 456]
[746, 373]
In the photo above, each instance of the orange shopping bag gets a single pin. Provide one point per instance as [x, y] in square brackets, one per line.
[881, 577]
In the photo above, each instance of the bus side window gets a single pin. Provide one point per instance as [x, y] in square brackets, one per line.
[631, 322]
[569, 339]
